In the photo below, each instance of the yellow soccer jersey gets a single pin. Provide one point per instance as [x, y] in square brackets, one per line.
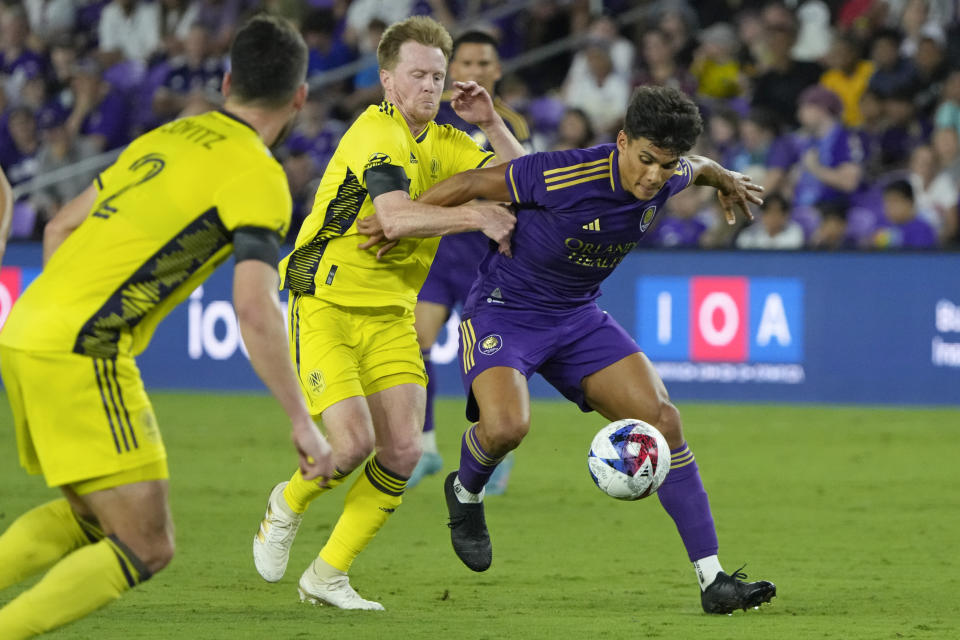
[326, 262]
[163, 220]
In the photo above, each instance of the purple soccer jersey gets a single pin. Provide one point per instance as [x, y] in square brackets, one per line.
[455, 266]
[535, 312]
[575, 223]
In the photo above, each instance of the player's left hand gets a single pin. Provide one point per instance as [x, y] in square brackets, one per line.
[471, 102]
[737, 191]
[370, 227]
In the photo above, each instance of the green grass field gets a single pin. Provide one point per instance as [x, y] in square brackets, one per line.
[853, 512]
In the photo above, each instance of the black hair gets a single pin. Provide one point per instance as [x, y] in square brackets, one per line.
[473, 37]
[665, 116]
[268, 61]
[887, 33]
[903, 187]
[777, 199]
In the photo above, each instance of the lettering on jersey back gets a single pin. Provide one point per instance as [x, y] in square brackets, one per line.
[195, 132]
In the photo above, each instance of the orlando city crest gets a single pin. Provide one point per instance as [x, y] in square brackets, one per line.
[490, 345]
[648, 215]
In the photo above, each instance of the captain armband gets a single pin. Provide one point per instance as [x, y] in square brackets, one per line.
[256, 243]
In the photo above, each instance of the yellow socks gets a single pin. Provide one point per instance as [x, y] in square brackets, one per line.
[82, 582]
[373, 497]
[299, 493]
[39, 538]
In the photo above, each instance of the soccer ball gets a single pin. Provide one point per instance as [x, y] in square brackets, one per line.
[629, 459]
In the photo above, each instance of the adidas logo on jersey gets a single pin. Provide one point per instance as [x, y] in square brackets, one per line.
[413, 158]
[592, 226]
[496, 297]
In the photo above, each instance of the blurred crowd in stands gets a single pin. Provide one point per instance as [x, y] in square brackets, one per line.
[847, 112]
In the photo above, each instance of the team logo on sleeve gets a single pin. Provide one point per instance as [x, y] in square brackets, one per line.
[376, 160]
[648, 215]
[490, 345]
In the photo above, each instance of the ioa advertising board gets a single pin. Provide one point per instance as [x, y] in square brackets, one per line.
[689, 325]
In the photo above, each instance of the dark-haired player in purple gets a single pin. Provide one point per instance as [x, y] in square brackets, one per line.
[580, 213]
[454, 268]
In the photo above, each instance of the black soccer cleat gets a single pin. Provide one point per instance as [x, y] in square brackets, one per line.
[468, 529]
[727, 593]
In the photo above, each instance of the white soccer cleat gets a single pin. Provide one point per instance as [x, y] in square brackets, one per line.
[335, 591]
[271, 544]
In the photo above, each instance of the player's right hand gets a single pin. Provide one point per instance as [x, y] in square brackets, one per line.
[498, 225]
[315, 453]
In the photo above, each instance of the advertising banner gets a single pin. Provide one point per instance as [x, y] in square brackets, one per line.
[726, 326]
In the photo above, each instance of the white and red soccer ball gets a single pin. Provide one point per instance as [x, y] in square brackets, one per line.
[629, 459]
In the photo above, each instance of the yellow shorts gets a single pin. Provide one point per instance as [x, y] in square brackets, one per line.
[82, 421]
[341, 352]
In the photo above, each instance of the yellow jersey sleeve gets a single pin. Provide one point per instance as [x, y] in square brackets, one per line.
[461, 151]
[374, 141]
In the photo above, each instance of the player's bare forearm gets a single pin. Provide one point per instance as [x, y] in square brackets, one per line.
[401, 217]
[6, 212]
[262, 326]
[488, 183]
[735, 191]
[504, 143]
[70, 216]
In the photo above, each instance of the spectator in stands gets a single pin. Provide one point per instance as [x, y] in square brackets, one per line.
[303, 177]
[574, 131]
[847, 75]
[678, 22]
[830, 166]
[221, 18]
[902, 227]
[128, 30]
[723, 136]
[622, 52]
[715, 65]
[935, 194]
[176, 18]
[17, 61]
[50, 18]
[316, 133]
[18, 158]
[685, 221]
[659, 65]
[361, 12]
[891, 71]
[903, 130]
[59, 149]
[195, 74]
[946, 144]
[932, 69]
[326, 50]
[766, 156]
[780, 83]
[948, 112]
[98, 110]
[602, 92]
[774, 230]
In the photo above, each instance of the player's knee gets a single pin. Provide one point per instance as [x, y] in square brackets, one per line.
[505, 432]
[669, 424]
[351, 450]
[401, 457]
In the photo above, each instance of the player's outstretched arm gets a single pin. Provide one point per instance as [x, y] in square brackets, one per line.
[471, 102]
[262, 326]
[6, 213]
[734, 190]
[70, 216]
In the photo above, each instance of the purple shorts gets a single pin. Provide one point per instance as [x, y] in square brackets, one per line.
[454, 269]
[562, 347]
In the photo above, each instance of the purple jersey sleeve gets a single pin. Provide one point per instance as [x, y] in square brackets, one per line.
[544, 179]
